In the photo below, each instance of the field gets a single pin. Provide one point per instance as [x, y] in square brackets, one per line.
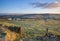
[38, 24]
[36, 28]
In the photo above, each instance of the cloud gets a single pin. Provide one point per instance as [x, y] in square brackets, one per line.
[38, 4]
[53, 5]
[47, 5]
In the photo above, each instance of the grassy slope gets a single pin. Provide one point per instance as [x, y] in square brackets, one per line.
[35, 28]
[39, 25]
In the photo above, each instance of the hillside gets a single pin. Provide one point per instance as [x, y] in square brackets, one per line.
[33, 16]
[35, 30]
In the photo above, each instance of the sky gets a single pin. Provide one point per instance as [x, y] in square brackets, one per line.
[29, 6]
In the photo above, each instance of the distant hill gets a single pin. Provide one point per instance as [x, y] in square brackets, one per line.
[33, 16]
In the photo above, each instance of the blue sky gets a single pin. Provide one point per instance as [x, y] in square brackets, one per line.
[24, 6]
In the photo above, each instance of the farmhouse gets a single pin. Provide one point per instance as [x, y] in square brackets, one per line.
[9, 18]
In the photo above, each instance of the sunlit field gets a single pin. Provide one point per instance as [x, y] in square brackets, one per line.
[33, 28]
[39, 25]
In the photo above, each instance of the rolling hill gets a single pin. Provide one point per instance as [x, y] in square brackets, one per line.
[32, 16]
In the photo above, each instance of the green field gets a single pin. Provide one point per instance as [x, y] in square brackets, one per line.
[39, 25]
[35, 28]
